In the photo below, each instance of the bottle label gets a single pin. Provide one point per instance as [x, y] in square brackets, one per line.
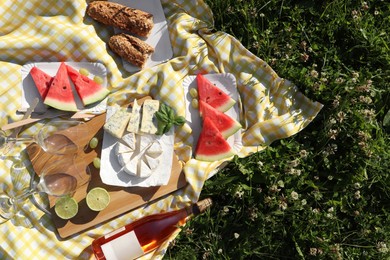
[124, 247]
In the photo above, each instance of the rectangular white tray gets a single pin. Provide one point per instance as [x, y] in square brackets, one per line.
[30, 92]
[159, 37]
[227, 83]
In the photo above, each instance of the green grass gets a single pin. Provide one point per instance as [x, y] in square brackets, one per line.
[325, 192]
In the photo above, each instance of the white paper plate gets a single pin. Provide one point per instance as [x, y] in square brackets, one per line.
[227, 83]
[159, 36]
[30, 92]
[111, 171]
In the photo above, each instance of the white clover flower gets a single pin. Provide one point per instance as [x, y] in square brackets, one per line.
[239, 194]
[282, 205]
[314, 74]
[357, 195]
[332, 121]
[296, 172]
[294, 195]
[341, 116]
[236, 235]
[303, 153]
[382, 247]
[329, 215]
[267, 200]
[293, 163]
[274, 189]
[339, 80]
[303, 202]
[333, 133]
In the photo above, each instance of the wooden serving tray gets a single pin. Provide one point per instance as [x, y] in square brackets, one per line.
[123, 199]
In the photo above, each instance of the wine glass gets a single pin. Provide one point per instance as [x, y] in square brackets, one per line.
[55, 137]
[59, 177]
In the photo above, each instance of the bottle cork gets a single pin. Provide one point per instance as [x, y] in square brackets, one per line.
[201, 206]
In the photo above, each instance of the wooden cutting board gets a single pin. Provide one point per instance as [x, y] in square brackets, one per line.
[123, 199]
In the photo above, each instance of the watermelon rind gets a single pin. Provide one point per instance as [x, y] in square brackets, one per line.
[224, 123]
[213, 95]
[42, 81]
[211, 145]
[60, 94]
[87, 89]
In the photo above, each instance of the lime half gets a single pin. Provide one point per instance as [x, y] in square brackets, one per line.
[66, 207]
[98, 199]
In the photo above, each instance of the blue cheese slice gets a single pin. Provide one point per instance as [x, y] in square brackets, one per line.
[149, 121]
[116, 124]
[135, 118]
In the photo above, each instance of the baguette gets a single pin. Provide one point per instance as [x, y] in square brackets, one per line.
[129, 19]
[131, 48]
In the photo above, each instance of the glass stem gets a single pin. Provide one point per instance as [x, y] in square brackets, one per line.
[27, 139]
[23, 196]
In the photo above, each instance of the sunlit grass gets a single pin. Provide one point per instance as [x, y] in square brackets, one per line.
[325, 192]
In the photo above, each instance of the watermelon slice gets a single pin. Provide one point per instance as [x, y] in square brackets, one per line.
[88, 90]
[211, 145]
[42, 81]
[224, 123]
[60, 93]
[212, 95]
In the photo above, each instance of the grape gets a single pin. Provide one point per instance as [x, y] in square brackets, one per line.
[84, 71]
[194, 103]
[193, 93]
[93, 143]
[96, 162]
[98, 79]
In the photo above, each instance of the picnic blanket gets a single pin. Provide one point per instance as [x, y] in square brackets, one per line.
[44, 30]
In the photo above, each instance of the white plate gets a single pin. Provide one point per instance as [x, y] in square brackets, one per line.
[227, 83]
[111, 171]
[29, 91]
[159, 36]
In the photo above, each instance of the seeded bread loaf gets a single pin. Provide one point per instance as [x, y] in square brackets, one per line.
[131, 48]
[129, 19]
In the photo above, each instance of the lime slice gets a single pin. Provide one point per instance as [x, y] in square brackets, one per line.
[66, 207]
[98, 199]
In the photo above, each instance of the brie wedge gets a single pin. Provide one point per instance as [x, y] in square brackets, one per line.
[139, 155]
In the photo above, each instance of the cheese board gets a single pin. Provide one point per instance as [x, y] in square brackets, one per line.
[123, 199]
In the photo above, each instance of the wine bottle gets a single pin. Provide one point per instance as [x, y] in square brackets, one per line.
[144, 235]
